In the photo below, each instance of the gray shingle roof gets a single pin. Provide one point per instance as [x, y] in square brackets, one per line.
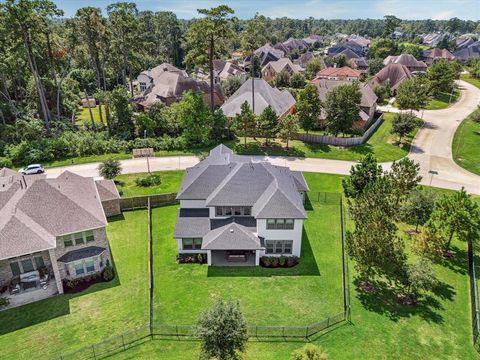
[32, 216]
[242, 182]
[80, 254]
[107, 190]
[231, 237]
[265, 95]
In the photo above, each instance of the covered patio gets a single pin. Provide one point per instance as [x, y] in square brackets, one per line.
[233, 258]
[30, 295]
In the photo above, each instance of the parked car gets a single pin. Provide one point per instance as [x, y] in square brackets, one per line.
[32, 169]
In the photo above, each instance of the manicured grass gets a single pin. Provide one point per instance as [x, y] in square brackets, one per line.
[443, 100]
[170, 182]
[468, 78]
[466, 145]
[437, 328]
[65, 323]
[298, 296]
[82, 117]
[382, 144]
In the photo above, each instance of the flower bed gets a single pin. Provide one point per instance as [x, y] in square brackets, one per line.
[192, 258]
[278, 261]
[77, 285]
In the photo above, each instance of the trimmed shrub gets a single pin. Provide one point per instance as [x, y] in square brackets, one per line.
[108, 273]
[149, 180]
[274, 261]
[110, 168]
[282, 260]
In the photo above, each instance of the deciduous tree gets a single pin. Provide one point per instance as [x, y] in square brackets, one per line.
[413, 94]
[222, 330]
[308, 107]
[342, 107]
[418, 207]
[288, 127]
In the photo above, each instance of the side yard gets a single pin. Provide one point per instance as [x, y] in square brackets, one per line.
[466, 144]
[382, 144]
[468, 78]
[65, 323]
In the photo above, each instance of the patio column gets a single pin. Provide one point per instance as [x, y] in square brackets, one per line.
[257, 257]
[56, 272]
[209, 257]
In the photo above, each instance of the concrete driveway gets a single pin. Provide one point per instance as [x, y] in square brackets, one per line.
[431, 148]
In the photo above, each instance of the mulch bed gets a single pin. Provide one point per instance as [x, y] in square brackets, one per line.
[82, 285]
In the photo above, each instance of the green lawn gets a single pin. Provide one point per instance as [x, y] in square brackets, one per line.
[82, 117]
[468, 78]
[466, 145]
[65, 323]
[438, 328]
[382, 144]
[170, 182]
[304, 294]
[443, 100]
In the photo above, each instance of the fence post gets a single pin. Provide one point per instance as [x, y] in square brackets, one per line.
[176, 328]
[283, 331]
[93, 350]
[344, 271]
[123, 342]
[150, 266]
[306, 332]
[256, 331]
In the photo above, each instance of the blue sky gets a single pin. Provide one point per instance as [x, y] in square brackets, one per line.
[327, 9]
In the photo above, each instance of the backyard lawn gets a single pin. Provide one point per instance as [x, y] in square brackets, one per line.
[65, 323]
[128, 187]
[298, 296]
[466, 145]
[382, 144]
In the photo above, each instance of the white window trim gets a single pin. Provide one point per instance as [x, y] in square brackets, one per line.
[275, 244]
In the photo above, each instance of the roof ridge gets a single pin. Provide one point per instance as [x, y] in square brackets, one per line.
[235, 169]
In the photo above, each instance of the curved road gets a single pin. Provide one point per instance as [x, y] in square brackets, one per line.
[431, 148]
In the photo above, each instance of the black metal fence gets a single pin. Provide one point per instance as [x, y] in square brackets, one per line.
[472, 268]
[146, 333]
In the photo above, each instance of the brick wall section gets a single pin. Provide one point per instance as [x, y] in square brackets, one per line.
[111, 207]
[100, 236]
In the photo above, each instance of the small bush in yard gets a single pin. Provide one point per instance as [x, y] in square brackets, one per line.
[108, 273]
[149, 180]
[265, 260]
[309, 352]
[282, 260]
[274, 261]
[110, 168]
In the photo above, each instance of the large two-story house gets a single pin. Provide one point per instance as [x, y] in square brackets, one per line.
[51, 230]
[236, 210]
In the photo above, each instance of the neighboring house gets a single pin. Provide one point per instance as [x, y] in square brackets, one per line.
[50, 230]
[306, 57]
[338, 48]
[291, 45]
[368, 103]
[465, 40]
[267, 53]
[273, 68]
[312, 39]
[223, 70]
[342, 73]
[357, 62]
[433, 54]
[397, 34]
[236, 210]
[393, 74]
[472, 51]
[433, 39]
[407, 60]
[265, 95]
[360, 40]
[166, 84]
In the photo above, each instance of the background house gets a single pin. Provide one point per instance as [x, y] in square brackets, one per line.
[273, 68]
[368, 103]
[223, 70]
[50, 230]
[342, 73]
[281, 101]
[407, 60]
[433, 54]
[236, 210]
[393, 75]
[166, 84]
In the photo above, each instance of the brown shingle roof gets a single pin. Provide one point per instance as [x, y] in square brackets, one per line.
[32, 216]
[343, 71]
[439, 53]
[405, 59]
[394, 73]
